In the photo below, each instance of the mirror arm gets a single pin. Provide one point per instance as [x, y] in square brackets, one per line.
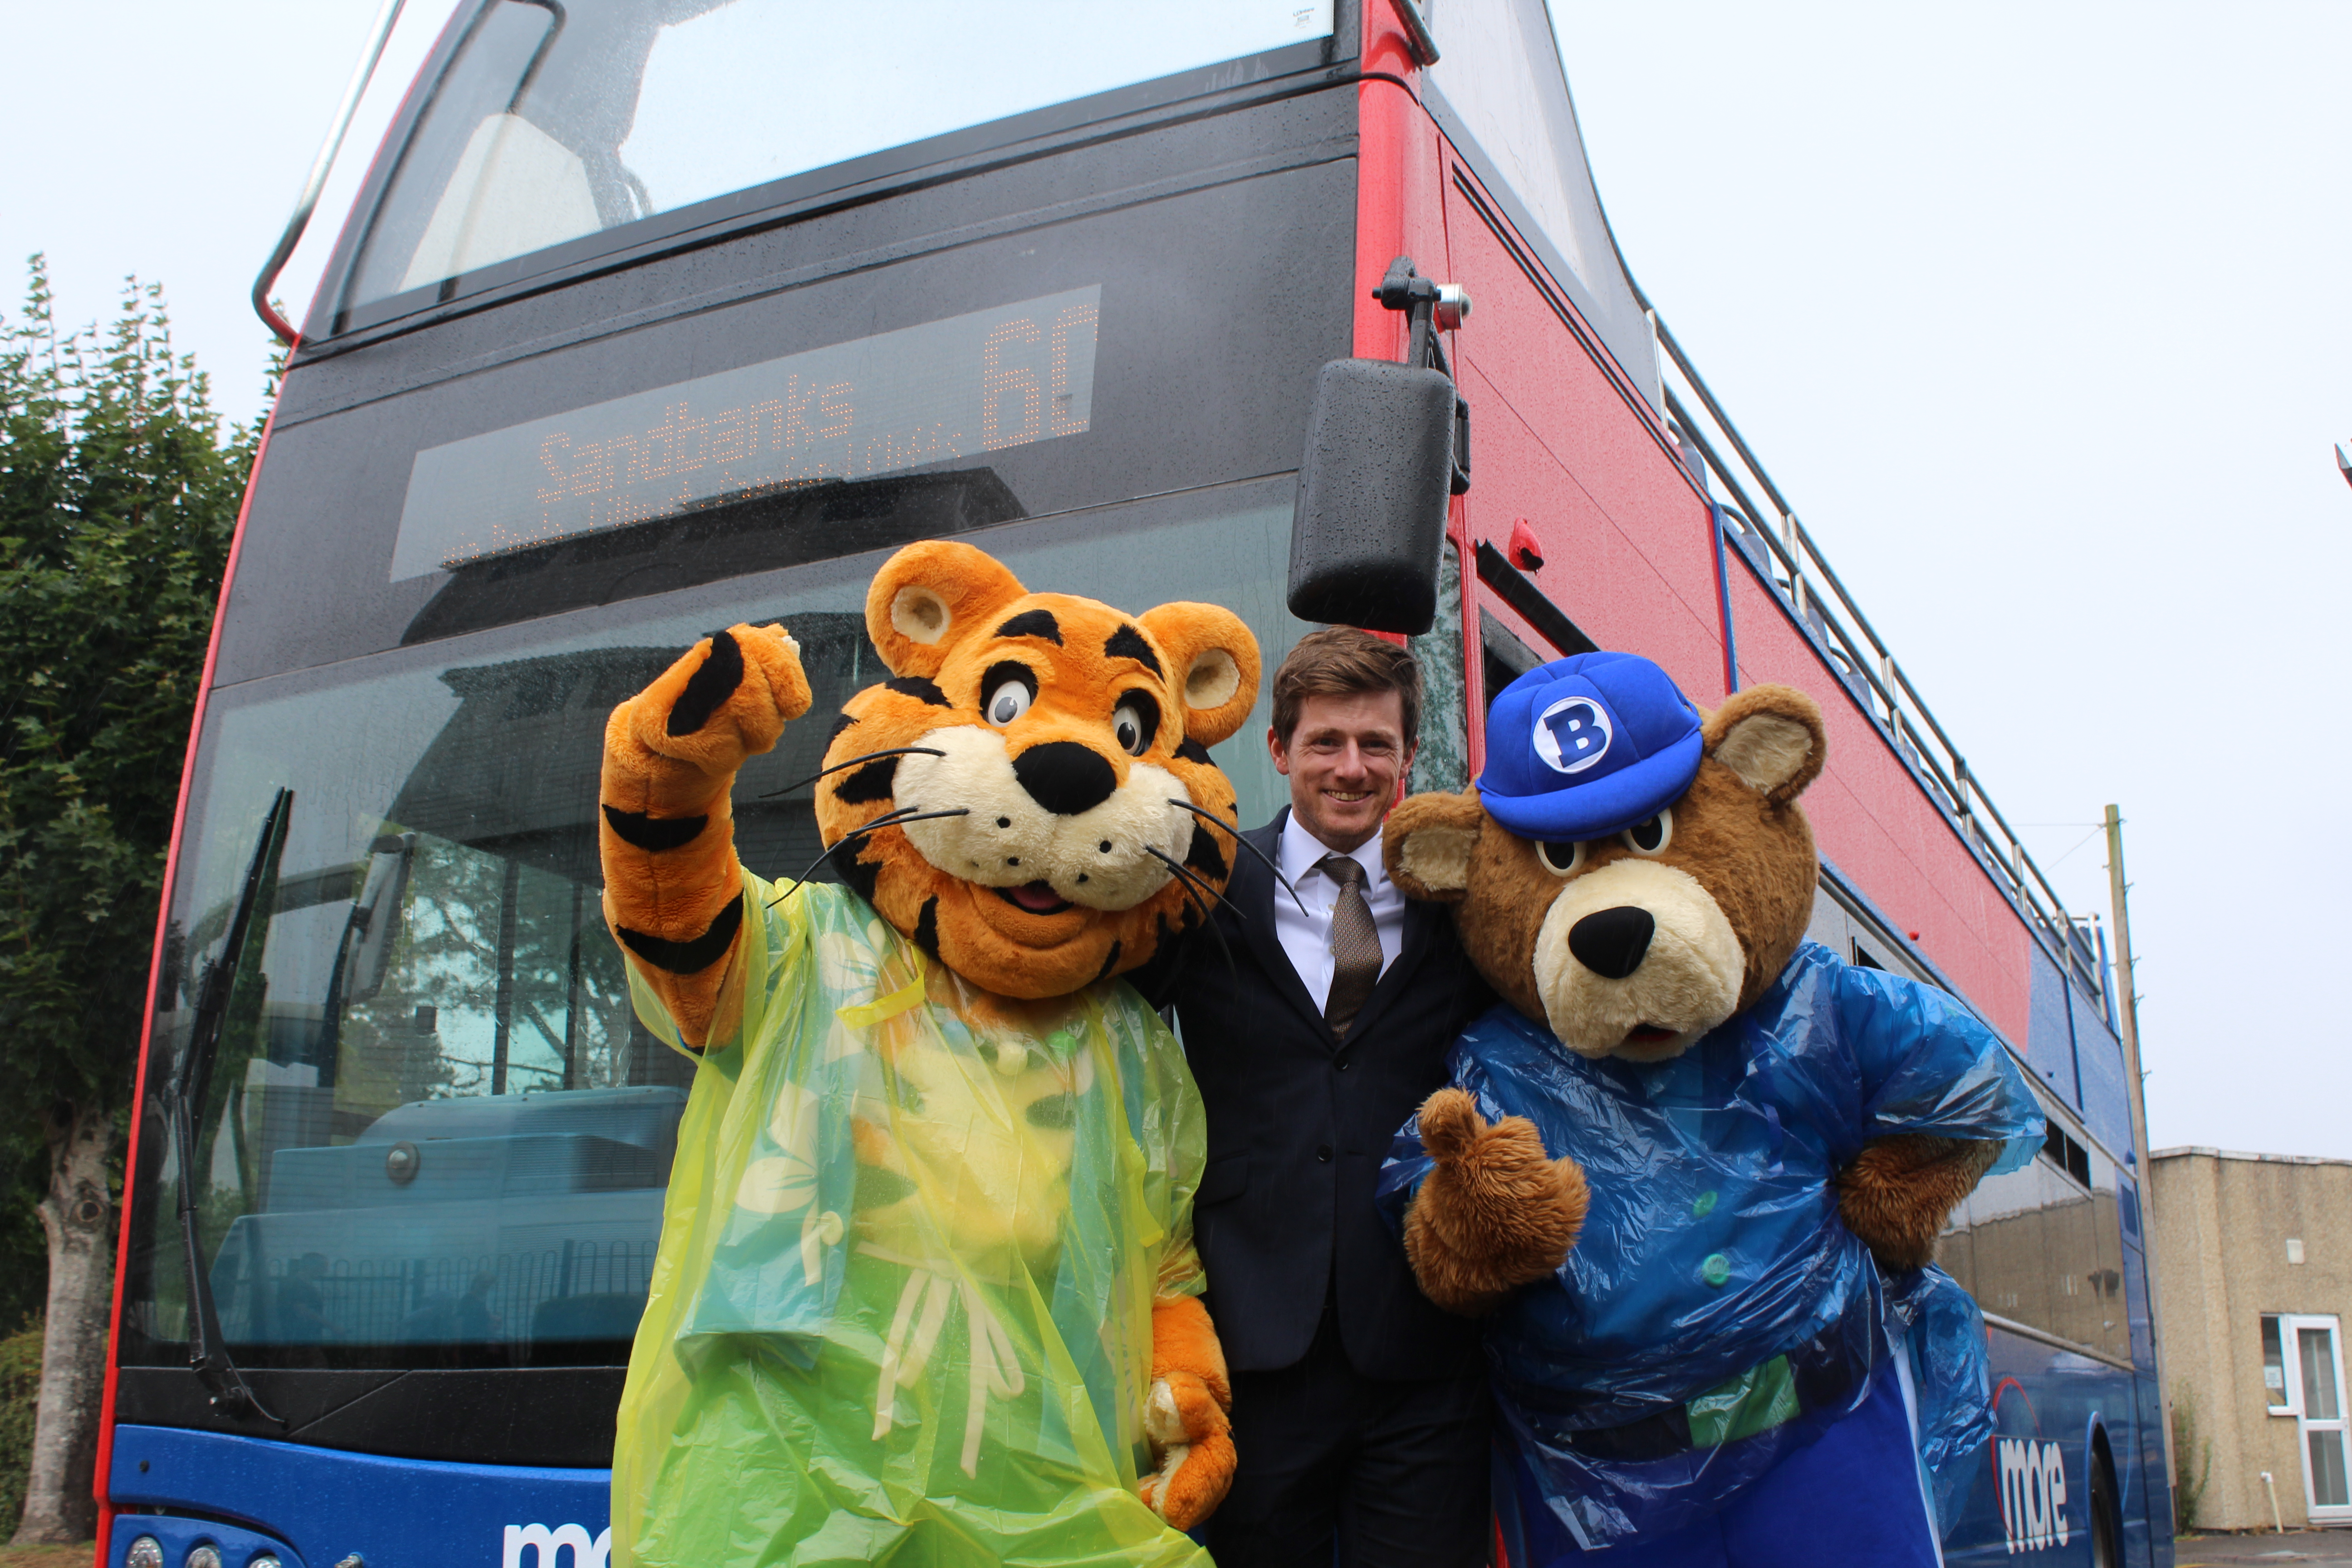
[1431, 306]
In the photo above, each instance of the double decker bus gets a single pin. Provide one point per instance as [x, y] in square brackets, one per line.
[653, 316]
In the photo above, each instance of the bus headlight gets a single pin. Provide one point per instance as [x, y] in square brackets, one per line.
[145, 1553]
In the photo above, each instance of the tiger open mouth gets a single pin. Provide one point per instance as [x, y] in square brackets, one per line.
[1036, 898]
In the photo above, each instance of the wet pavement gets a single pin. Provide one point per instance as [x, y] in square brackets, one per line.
[2324, 1547]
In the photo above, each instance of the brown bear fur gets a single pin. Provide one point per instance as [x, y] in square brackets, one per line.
[1502, 1213]
[1492, 1214]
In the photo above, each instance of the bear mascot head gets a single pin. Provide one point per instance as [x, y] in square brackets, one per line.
[926, 1282]
[1675, 1163]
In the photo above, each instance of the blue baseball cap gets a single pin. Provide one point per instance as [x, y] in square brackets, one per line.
[1581, 748]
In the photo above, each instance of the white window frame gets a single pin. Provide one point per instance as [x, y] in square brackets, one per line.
[2291, 1325]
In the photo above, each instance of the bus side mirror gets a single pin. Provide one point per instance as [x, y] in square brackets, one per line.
[1369, 529]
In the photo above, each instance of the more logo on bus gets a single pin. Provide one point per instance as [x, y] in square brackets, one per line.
[2032, 1493]
[546, 1543]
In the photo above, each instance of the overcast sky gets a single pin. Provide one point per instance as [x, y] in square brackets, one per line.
[2039, 314]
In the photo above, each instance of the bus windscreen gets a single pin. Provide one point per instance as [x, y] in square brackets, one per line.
[919, 395]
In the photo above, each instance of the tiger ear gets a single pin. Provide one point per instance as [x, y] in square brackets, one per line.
[928, 596]
[1216, 666]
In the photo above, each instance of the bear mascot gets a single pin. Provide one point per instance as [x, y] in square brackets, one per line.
[1694, 1165]
[926, 1292]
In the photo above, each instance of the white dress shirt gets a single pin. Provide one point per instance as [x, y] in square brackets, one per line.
[1307, 938]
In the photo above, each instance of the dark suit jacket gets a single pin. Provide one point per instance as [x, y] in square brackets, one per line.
[1298, 1125]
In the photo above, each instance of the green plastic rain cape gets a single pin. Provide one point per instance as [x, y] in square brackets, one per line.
[901, 1310]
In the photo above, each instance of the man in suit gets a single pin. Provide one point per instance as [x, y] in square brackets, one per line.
[1360, 1409]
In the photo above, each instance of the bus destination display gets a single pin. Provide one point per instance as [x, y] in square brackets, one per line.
[898, 400]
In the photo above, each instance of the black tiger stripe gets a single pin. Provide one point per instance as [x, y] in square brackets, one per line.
[1128, 643]
[919, 689]
[927, 927]
[858, 873]
[874, 782]
[841, 722]
[1032, 624]
[1191, 750]
[688, 957]
[712, 683]
[654, 834]
[1111, 962]
[1206, 856]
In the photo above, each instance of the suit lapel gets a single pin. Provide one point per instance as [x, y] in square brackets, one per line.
[1257, 890]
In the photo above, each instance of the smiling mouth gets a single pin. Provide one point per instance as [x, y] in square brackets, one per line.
[1648, 1035]
[1345, 798]
[1034, 897]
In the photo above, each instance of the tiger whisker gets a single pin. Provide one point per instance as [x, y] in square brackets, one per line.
[1262, 854]
[1194, 878]
[887, 819]
[1187, 881]
[870, 756]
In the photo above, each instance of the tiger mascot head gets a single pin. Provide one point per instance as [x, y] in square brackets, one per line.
[1029, 797]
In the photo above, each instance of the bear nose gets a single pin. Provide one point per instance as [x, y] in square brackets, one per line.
[1611, 943]
[1065, 777]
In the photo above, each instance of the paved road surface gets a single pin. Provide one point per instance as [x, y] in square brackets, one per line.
[2321, 1548]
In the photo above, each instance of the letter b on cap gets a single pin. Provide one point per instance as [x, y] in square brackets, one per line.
[1573, 734]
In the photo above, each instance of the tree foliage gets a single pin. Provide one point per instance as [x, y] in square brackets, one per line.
[119, 494]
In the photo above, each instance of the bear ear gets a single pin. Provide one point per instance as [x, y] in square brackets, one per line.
[1427, 841]
[1771, 736]
[931, 596]
[1216, 666]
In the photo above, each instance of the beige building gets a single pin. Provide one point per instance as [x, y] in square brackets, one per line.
[2253, 1261]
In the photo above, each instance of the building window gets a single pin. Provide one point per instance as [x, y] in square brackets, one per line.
[2275, 1368]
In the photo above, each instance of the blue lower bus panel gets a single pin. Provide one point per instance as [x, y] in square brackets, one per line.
[315, 1507]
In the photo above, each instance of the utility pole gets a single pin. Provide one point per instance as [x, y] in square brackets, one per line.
[2127, 1016]
[2126, 991]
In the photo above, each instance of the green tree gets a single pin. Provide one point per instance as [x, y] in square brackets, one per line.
[119, 495]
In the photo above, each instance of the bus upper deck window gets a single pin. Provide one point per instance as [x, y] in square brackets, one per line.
[554, 123]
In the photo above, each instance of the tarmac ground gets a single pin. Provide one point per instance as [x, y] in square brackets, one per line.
[2322, 1547]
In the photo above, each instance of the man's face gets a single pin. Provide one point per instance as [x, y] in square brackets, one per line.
[1343, 761]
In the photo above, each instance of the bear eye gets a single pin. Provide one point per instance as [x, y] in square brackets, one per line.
[1561, 859]
[1134, 723]
[1007, 700]
[1650, 838]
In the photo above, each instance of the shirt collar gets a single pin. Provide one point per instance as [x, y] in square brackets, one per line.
[1300, 851]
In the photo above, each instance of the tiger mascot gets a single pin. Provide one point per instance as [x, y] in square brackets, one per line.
[926, 1292]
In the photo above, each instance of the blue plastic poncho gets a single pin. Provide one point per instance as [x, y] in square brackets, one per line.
[1714, 1297]
[901, 1309]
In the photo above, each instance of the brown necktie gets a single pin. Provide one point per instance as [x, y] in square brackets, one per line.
[1355, 944]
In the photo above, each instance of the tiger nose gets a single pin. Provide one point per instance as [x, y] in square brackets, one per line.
[1612, 942]
[1065, 777]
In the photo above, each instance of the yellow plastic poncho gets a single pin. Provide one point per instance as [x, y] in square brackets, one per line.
[901, 1310]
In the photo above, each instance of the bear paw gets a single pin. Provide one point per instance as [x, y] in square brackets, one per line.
[1900, 1190]
[1496, 1212]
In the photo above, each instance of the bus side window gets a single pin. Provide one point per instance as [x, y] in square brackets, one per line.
[1505, 658]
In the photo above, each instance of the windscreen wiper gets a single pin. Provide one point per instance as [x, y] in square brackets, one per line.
[208, 1355]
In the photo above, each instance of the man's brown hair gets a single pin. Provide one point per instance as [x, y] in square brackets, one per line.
[1340, 661]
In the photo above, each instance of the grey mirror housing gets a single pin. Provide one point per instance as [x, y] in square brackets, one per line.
[1369, 528]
